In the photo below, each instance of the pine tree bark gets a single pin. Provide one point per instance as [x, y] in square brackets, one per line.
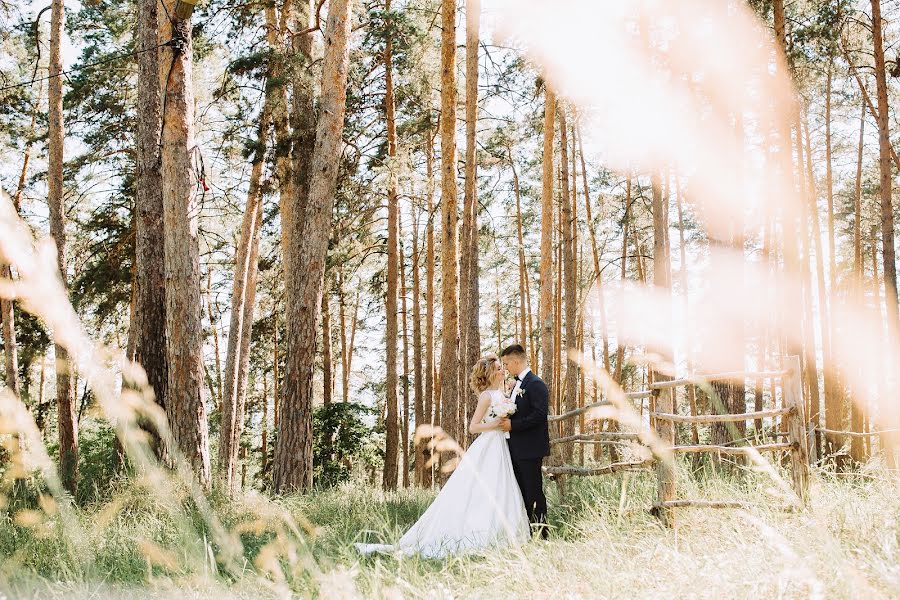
[832, 405]
[264, 444]
[595, 254]
[294, 141]
[418, 400]
[305, 258]
[342, 335]
[149, 325]
[623, 275]
[811, 371]
[857, 413]
[327, 352]
[527, 324]
[68, 424]
[243, 303]
[889, 266]
[545, 309]
[430, 402]
[569, 284]
[212, 309]
[389, 481]
[7, 307]
[449, 276]
[470, 342]
[184, 340]
[404, 380]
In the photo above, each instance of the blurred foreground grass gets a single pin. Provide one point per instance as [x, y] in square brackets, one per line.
[145, 542]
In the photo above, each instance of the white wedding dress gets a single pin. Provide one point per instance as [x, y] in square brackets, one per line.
[480, 505]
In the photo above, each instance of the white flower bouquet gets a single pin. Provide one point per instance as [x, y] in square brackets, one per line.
[502, 409]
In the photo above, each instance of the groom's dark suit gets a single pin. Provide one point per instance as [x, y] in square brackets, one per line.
[529, 443]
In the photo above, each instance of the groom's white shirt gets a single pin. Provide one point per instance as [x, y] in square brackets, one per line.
[521, 376]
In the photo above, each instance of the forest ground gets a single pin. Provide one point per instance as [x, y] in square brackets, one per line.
[846, 546]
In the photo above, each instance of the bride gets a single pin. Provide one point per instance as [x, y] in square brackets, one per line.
[481, 504]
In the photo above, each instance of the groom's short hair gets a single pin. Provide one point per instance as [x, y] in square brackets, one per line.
[513, 350]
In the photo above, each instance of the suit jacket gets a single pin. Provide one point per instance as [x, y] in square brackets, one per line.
[529, 437]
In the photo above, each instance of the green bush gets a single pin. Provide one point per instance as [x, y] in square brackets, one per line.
[342, 442]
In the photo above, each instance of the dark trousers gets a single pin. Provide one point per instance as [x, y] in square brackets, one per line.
[531, 481]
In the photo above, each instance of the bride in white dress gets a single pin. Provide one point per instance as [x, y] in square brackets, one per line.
[480, 505]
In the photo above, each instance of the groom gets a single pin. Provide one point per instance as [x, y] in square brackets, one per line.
[529, 438]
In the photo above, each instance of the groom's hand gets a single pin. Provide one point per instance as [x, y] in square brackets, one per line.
[505, 425]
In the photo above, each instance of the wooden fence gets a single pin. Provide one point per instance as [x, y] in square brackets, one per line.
[793, 423]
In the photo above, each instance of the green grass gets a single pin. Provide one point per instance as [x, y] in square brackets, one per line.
[152, 540]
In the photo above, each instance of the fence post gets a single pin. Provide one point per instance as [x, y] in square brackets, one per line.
[796, 421]
[665, 465]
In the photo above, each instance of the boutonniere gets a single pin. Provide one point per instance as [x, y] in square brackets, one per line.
[521, 392]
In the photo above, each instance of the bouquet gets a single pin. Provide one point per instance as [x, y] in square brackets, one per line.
[502, 409]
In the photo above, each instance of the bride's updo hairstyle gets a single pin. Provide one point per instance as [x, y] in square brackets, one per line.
[482, 373]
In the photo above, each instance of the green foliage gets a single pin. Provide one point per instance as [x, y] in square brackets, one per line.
[342, 442]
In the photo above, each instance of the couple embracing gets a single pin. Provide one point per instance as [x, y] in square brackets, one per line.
[496, 494]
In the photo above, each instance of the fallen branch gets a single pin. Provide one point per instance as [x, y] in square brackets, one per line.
[722, 418]
[733, 449]
[605, 470]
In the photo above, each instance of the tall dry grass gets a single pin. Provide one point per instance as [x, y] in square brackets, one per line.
[846, 545]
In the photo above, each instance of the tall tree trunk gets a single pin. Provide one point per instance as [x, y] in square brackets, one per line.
[418, 400]
[149, 325]
[790, 327]
[690, 390]
[545, 309]
[8, 324]
[214, 319]
[524, 287]
[390, 302]
[7, 307]
[806, 245]
[569, 284]
[404, 336]
[305, 258]
[243, 303]
[430, 401]
[449, 280]
[888, 256]
[832, 406]
[184, 401]
[623, 273]
[470, 343]
[327, 366]
[342, 335]
[294, 171]
[276, 378]
[857, 412]
[664, 399]
[68, 425]
[595, 255]
[264, 445]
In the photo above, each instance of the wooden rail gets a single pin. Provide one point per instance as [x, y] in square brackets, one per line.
[775, 412]
[733, 449]
[856, 434]
[584, 409]
[702, 504]
[603, 435]
[695, 379]
[604, 470]
[795, 423]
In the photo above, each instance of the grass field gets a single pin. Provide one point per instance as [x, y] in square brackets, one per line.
[154, 541]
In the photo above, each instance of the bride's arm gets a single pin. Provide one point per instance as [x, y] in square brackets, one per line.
[476, 426]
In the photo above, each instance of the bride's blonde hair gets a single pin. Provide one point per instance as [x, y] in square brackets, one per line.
[482, 373]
